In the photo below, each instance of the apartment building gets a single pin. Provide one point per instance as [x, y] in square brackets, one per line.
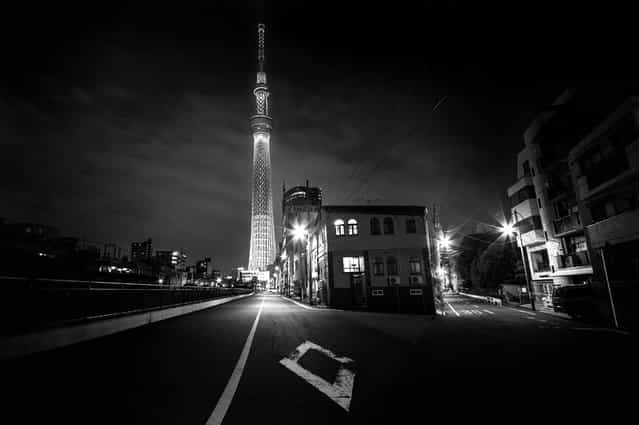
[604, 166]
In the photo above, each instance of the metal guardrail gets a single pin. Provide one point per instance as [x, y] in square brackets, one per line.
[30, 304]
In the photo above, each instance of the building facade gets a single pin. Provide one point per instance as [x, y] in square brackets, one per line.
[300, 211]
[142, 250]
[574, 151]
[373, 257]
[262, 245]
[605, 170]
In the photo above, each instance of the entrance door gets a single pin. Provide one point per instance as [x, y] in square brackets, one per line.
[358, 286]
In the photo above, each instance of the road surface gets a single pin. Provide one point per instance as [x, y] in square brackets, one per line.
[483, 362]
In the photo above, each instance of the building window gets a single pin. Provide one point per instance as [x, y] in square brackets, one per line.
[391, 266]
[352, 227]
[378, 266]
[353, 264]
[526, 192]
[389, 228]
[411, 227]
[415, 265]
[539, 260]
[539, 203]
[526, 167]
[339, 227]
[375, 228]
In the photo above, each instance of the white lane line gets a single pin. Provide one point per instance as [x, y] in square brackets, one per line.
[529, 318]
[226, 398]
[451, 307]
[524, 311]
[488, 311]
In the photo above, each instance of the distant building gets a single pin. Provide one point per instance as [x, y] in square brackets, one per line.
[142, 250]
[203, 268]
[174, 259]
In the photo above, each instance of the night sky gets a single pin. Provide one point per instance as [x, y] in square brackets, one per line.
[120, 123]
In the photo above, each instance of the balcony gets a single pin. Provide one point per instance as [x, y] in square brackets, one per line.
[615, 229]
[533, 237]
[575, 259]
[520, 184]
[567, 224]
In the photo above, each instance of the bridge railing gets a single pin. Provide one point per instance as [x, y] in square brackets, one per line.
[30, 304]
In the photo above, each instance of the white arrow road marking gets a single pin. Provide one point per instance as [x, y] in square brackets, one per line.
[339, 391]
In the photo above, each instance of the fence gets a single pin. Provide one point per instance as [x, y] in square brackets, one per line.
[31, 304]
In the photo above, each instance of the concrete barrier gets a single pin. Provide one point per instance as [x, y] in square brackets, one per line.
[21, 345]
[491, 300]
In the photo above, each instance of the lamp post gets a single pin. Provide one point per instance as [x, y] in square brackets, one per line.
[509, 229]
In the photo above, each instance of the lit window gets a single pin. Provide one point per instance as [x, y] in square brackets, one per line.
[415, 265]
[353, 264]
[411, 226]
[339, 227]
[352, 226]
[391, 266]
[378, 267]
[389, 228]
[375, 228]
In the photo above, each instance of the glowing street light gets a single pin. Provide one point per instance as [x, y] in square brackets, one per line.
[444, 242]
[299, 232]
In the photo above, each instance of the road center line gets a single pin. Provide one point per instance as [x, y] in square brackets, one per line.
[451, 307]
[226, 398]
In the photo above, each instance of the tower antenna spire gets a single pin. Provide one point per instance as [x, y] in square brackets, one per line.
[260, 46]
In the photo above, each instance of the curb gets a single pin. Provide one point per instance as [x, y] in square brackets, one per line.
[49, 339]
[491, 300]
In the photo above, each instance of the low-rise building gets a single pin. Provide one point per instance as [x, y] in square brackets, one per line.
[370, 256]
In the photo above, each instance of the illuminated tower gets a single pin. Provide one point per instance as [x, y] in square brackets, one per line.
[262, 251]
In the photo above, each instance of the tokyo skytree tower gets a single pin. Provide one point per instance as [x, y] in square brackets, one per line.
[262, 251]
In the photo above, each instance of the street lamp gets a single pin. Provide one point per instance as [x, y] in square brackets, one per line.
[507, 230]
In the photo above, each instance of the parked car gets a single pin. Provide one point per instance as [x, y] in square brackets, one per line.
[575, 300]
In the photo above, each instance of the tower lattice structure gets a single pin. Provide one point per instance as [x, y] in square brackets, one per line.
[262, 250]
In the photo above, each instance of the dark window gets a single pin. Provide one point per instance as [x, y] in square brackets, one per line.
[539, 260]
[391, 266]
[378, 267]
[411, 227]
[526, 167]
[609, 207]
[527, 192]
[539, 203]
[375, 228]
[528, 224]
[389, 227]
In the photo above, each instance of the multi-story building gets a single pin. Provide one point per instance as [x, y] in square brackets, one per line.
[174, 259]
[605, 170]
[371, 256]
[300, 212]
[142, 250]
[544, 204]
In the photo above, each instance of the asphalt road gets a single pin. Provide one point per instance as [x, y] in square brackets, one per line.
[483, 362]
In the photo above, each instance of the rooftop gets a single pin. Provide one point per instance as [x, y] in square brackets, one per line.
[418, 210]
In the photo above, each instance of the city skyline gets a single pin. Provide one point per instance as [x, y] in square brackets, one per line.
[115, 155]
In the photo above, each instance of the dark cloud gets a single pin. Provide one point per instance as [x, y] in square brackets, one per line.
[126, 123]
